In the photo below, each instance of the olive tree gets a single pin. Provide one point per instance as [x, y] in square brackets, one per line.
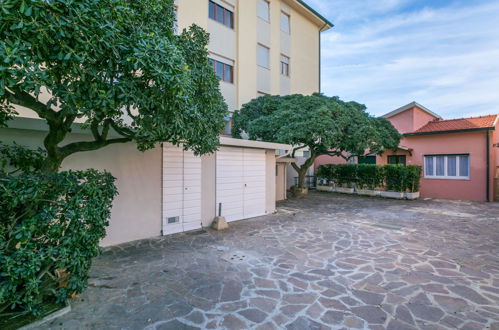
[323, 125]
[116, 66]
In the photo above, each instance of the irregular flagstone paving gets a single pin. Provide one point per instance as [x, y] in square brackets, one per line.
[324, 262]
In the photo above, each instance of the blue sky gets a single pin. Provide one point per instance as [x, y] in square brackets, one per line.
[387, 53]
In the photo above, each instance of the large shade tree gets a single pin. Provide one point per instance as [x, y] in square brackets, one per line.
[117, 66]
[323, 125]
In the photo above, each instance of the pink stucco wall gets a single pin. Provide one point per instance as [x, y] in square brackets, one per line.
[403, 121]
[324, 160]
[421, 118]
[411, 119]
[472, 143]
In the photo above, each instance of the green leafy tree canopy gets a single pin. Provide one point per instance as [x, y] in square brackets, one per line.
[324, 125]
[117, 65]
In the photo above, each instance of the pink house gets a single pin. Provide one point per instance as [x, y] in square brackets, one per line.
[460, 157]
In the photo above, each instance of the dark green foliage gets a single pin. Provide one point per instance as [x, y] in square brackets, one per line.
[327, 172]
[390, 177]
[413, 177]
[346, 174]
[50, 227]
[16, 158]
[395, 177]
[103, 61]
[369, 176]
[324, 125]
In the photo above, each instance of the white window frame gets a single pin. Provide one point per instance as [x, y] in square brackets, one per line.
[258, 47]
[285, 60]
[175, 23]
[446, 176]
[287, 18]
[267, 4]
[225, 9]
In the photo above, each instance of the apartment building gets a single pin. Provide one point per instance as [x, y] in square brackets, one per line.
[259, 47]
[256, 47]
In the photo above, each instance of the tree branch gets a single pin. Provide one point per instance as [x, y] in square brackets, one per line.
[296, 149]
[25, 99]
[74, 147]
[295, 167]
[94, 127]
[122, 130]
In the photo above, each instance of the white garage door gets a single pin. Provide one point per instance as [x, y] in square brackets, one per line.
[240, 182]
[181, 190]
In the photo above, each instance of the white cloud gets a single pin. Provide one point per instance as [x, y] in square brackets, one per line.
[445, 58]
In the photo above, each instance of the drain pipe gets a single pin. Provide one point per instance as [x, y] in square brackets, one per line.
[487, 185]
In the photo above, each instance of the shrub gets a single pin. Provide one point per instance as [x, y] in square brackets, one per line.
[327, 172]
[346, 174]
[413, 177]
[391, 177]
[49, 232]
[394, 177]
[15, 158]
[369, 176]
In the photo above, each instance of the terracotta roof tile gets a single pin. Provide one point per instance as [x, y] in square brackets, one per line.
[439, 125]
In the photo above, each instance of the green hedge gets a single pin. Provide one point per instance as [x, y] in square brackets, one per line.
[49, 232]
[390, 177]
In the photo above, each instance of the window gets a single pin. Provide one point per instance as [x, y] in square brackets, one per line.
[264, 10]
[263, 56]
[396, 160]
[306, 154]
[175, 23]
[367, 160]
[285, 65]
[221, 14]
[228, 125]
[447, 166]
[223, 71]
[285, 25]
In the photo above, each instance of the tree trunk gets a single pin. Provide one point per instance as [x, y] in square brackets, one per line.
[57, 133]
[302, 175]
[52, 165]
[302, 189]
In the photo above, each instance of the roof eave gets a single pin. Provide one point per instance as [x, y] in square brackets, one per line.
[328, 24]
[468, 130]
[410, 106]
[232, 142]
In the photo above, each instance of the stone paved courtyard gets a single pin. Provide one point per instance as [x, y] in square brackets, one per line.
[326, 261]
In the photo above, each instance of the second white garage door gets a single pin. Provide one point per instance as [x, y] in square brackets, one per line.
[240, 183]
